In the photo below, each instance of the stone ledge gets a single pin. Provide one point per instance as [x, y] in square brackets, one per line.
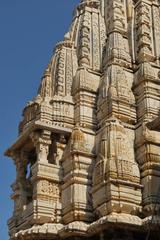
[43, 230]
[79, 228]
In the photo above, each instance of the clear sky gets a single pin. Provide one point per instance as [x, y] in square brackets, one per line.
[29, 30]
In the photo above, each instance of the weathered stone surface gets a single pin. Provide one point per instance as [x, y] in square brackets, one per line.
[88, 152]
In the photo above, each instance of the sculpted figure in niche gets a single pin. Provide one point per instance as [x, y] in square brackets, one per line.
[43, 152]
[56, 150]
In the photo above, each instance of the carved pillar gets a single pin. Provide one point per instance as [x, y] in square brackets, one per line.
[42, 141]
[22, 191]
[46, 178]
[19, 187]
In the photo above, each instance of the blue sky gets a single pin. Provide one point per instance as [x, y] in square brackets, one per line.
[29, 30]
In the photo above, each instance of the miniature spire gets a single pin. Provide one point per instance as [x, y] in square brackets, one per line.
[45, 90]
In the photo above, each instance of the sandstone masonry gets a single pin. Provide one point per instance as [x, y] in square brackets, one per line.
[88, 152]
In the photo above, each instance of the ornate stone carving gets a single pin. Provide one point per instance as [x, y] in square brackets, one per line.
[49, 188]
[42, 142]
[88, 152]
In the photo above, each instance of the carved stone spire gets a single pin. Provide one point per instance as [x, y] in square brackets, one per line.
[88, 152]
[46, 87]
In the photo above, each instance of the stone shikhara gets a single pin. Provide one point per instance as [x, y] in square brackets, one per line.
[88, 152]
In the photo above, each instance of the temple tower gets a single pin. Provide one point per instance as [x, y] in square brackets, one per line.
[88, 152]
